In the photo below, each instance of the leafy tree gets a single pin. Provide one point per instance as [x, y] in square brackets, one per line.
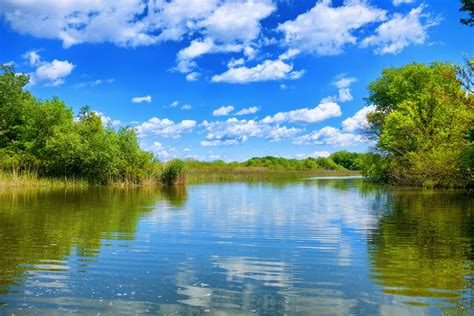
[420, 123]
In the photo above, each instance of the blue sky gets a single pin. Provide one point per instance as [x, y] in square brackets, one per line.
[227, 79]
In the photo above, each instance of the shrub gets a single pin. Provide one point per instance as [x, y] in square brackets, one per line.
[173, 172]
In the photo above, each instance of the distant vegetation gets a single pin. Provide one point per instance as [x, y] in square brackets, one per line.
[423, 126]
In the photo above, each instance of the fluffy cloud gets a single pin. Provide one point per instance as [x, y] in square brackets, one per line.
[237, 21]
[165, 127]
[358, 122]
[398, 2]
[401, 31]
[268, 70]
[281, 132]
[51, 73]
[250, 110]
[146, 98]
[233, 131]
[319, 113]
[329, 136]
[343, 84]
[223, 110]
[326, 30]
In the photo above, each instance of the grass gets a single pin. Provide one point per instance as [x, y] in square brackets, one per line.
[7, 179]
[202, 175]
[258, 174]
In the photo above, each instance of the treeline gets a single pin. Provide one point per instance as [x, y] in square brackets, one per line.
[46, 139]
[340, 160]
[423, 126]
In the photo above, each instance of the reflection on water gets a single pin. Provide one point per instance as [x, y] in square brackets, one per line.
[311, 247]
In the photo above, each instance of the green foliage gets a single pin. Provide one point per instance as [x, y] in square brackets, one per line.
[278, 163]
[422, 117]
[173, 173]
[347, 159]
[43, 137]
[468, 6]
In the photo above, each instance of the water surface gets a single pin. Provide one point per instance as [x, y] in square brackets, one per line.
[319, 246]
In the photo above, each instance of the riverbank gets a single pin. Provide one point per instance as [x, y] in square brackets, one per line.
[8, 180]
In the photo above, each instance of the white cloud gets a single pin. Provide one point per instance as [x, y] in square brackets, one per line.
[94, 83]
[329, 136]
[233, 131]
[316, 154]
[343, 84]
[51, 73]
[281, 132]
[146, 98]
[401, 31]
[235, 62]
[358, 122]
[57, 69]
[289, 54]
[193, 76]
[319, 113]
[107, 120]
[186, 107]
[268, 70]
[223, 110]
[237, 20]
[165, 127]
[398, 2]
[326, 30]
[250, 110]
[33, 57]
[174, 104]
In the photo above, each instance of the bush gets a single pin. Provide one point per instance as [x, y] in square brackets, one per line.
[173, 172]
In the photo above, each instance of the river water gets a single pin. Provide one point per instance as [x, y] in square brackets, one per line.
[319, 246]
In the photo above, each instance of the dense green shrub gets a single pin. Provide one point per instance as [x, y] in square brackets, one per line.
[173, 172]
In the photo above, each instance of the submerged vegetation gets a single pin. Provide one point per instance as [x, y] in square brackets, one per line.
[423, 125]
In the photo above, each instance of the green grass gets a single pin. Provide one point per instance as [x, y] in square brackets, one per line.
[258, 174]
[8, 179]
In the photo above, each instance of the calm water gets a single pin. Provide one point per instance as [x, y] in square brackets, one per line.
[306, 248]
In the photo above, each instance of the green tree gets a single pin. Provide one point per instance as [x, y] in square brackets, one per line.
[420, 123]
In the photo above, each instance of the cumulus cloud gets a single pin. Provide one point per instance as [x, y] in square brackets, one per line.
[319, 113]
[329, 136]
[223, 110]
[358, 122]
[401, 31]
[233, 131]
[165, 127]
[146, 98]
[326, 30]
[51, 73]
[237, 21]
[250, 110]
[266, 71]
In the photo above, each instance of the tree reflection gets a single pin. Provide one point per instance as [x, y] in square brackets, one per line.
[423, 245]
[39, 226]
